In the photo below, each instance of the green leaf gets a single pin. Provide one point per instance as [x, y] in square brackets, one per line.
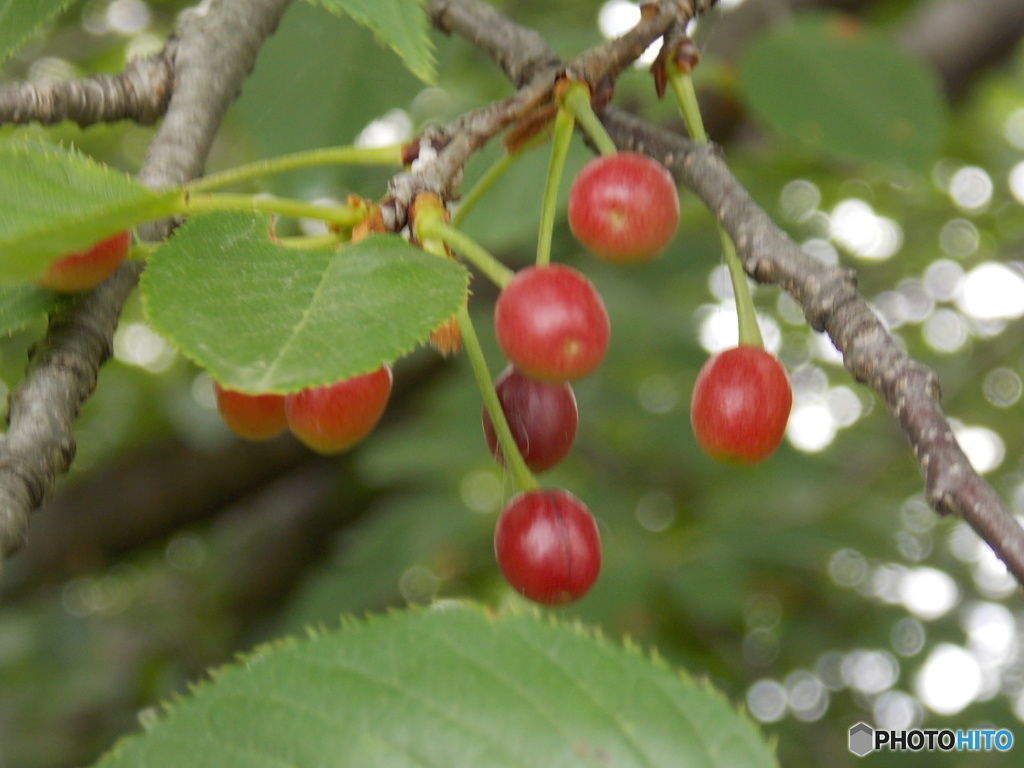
[20, 19]
[834, 86]
[21, 304]
[401, 24]
[261, 317]
[55, 201]
[448, 687]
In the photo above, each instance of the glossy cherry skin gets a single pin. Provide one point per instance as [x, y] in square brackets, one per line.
[551, 323]
[335, 417]
[624, 208]
[548, 547]
[86, 269]
[254, 417]
[541, 415]
[741, 404]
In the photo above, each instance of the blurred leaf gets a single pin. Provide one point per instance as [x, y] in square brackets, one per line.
[831, 84]
[22, 304]
[56, 201]
[264, 318]
[20, 19]
[448, 687]
[401, 24]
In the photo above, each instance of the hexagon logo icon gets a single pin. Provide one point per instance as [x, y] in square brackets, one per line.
[862, 739]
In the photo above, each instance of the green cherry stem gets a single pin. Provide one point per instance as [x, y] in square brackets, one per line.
[577, 100]
[349, 155]
[749, 332]
[564, 124]
[495, 172]
[341, 215]
[428, 233]
[432, 226]
[522, 477]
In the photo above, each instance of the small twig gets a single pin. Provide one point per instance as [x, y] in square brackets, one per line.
[139, 93]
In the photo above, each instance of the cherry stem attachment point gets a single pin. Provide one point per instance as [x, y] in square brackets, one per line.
[576, 99]
[749, 332]
[315, 158]
[340, 215]
[560, 140]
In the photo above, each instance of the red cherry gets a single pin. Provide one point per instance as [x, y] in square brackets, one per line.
[86, 269]
[333, 418]
[548, 547]
[624, 208]
[255, 417]
[551, 323]
[541, 415]
[741, 403]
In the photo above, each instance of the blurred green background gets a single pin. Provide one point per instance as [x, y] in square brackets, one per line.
[816, 589]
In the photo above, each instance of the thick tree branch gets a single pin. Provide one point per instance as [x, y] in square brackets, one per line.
[139, 93]
[215, 49]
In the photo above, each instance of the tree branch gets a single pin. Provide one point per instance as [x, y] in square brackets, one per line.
[139, 93]
[832, 304]
[215, 49]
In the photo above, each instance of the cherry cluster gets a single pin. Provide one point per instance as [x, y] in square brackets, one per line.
[552, 325]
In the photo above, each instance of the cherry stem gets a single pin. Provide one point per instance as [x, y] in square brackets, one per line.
[576, 99]
[341, 215]
[495, 172]
[564, 124]
[429, 227]
[348, 155]
[432, 226]
[749, 332]
[522, 477]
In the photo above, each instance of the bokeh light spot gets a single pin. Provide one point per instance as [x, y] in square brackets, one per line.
[949, 680]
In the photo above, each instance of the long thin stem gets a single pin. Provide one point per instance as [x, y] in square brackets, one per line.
[332, 214]
[522, 477]
[428, 226]
[564, 124]
[749, 331]
[349, 155]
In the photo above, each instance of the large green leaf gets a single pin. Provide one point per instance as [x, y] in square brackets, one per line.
[402, 24]
[22, 304]
[55, 201]
[830, 84]
[261, 317]
[449, 687]
[20, 19]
